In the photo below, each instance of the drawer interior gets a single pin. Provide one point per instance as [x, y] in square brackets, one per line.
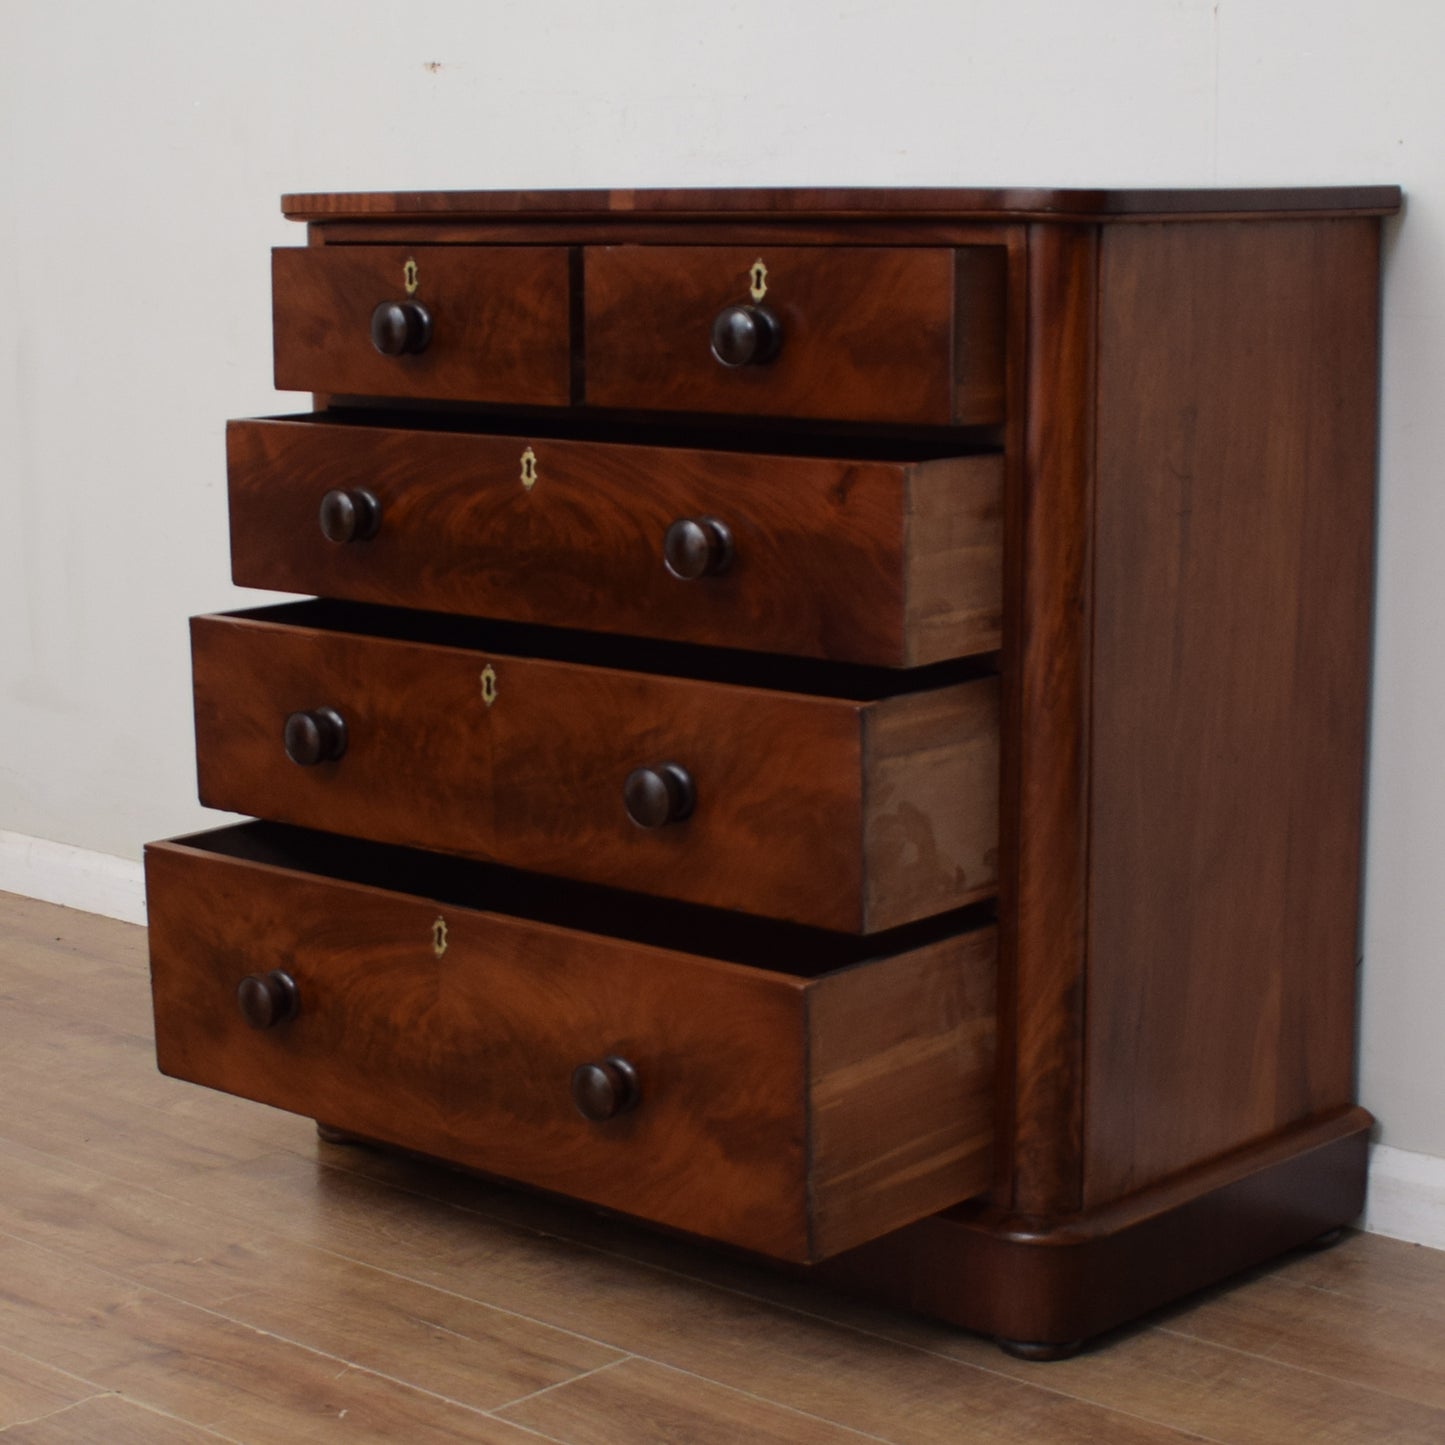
[739, 667]
[751, 436]
[794, 949]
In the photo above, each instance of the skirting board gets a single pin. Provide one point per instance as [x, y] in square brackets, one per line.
[1406, 1191]
[1406, 1197]
[72, 877]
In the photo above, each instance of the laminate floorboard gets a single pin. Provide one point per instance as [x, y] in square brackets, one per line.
[178, 1266]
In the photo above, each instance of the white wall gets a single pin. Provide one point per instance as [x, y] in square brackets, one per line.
[145, 146]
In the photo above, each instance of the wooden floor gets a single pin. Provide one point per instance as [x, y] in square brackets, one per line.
[180, 1267]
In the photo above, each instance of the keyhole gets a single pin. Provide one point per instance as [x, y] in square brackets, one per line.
[529, 469]
[759, 277]
[439, 937]
[408, 273]
[489, 685]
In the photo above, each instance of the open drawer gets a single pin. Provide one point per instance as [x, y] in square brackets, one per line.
[858, 557]
[824, 1092]
[848, 798]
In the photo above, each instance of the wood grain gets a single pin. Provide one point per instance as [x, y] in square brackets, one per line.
[919, 749]
[727, 1332]
[1215, 1392]
[195, 1365]
[468, 1055]
[892, 563]
[30, 1389]
[638, 1400]
[900, 1083]
[869, 334]
[1049, 678]
[535, 781]
[953, 546]
[1233, 585]
[980, 328]
[111, 1418]
[469, 1353]
[501, 322]
[844, 203]
[1395, 1351]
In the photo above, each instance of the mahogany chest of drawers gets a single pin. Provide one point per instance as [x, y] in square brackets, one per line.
[832, 721]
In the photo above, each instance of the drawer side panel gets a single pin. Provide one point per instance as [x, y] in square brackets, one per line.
[908, 1039]
[930, 811]
[954, 551]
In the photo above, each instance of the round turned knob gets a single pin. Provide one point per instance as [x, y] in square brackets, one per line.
[318, 736]
[696, 547]
[352, 516]
[605, 1090]
[660, 795]
[267, 999]
[400, 328]
[746, 336]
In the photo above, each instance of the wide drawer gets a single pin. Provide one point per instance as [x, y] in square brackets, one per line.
[848, 332]
[795, 1110]
[895, 563]
[472, 323]
[855, 812]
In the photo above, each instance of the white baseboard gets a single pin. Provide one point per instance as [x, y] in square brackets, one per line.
[1407, 1196]
[1406, 1191]
[72, 877]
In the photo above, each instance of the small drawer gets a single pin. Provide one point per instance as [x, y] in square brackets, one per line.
[850, 333]
[894, 563]
[795, 1109]
[449, 323]
[858, 806]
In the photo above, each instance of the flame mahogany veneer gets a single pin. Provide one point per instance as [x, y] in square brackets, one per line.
[972, 591]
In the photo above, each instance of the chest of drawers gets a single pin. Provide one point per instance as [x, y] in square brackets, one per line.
[832, 721]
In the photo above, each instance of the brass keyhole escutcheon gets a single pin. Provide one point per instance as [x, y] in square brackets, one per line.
[408, 276]
[439, 936]
[489, 685]
[529, 469]
[758, 277]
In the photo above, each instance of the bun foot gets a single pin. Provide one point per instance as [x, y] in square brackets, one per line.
[330, 1134]
[1039, 1350]
[1328, 1239]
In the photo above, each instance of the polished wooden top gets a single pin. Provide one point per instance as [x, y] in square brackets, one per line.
[843, 203]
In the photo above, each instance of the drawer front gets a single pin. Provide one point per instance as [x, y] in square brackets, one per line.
[853, 816]
[876, 562]
[791, 1116]
[860, 333]
[487, 324]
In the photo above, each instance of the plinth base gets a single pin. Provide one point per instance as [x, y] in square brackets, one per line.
[1043, 1287]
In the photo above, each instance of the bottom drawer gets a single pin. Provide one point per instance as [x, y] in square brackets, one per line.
[796, 1109]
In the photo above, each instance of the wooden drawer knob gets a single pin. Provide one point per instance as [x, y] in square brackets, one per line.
[400, 328]
[267, 999]
[746, 336]
[605, 1090]
[696, 547]
[658, 795]
[352, 516]
[318, 736]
